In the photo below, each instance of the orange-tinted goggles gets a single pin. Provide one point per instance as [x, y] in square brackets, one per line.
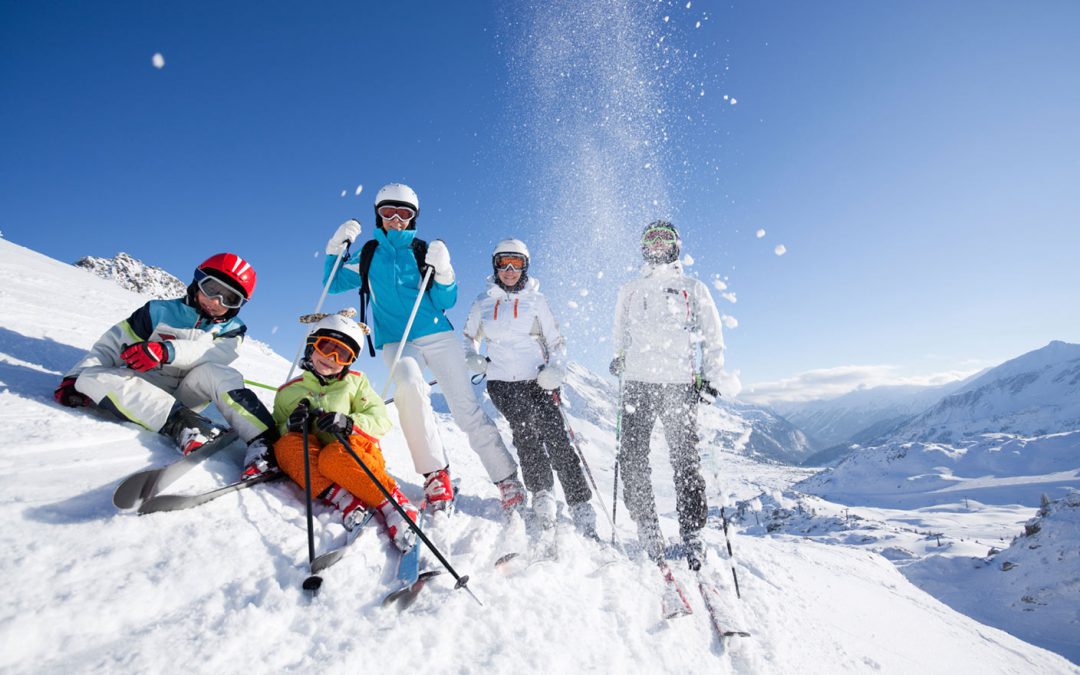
[507, 262]
[403, 212]
[334, 349]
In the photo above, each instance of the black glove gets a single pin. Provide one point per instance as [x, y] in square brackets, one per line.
[67, 394]
[618, 365]
[705, 391]
[334, 423]
[298, 420]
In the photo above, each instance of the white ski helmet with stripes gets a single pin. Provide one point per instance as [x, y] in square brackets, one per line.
[397, 194]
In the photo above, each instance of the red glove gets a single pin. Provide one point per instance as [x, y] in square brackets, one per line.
[66, 394]
[142, 356]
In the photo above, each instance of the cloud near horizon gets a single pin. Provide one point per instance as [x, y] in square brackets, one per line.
[826, 383]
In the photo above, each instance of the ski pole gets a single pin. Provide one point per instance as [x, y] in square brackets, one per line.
[408, 327]
[260, 384]
[730, 555]
[588, 472]
[322, 298]
[314, 581]
[462, 581]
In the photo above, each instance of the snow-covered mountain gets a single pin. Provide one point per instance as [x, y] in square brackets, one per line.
[1032, 395]
[833, 421]
[218, 588]
[135, 275]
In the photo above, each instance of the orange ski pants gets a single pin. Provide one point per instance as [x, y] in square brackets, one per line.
[333, 464]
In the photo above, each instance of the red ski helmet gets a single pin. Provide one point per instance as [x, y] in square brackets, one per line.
[230, 269]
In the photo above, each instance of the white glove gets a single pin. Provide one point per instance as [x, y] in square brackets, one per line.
[477, 362]
[550, 377]
[347, 232]
[439, 258]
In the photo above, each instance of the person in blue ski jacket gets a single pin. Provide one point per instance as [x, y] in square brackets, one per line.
[394, 277]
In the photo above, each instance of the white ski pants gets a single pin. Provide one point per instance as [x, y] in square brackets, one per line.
[148, 398]
[444, 356]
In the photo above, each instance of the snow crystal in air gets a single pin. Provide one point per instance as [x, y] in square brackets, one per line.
[719, 285]
[760, 233]
[359, 189]
[667, 18]
[697, 25]
[729, 321]
[584, 292]
[344, 192]
[780, 250]
[729, 296]
[687, 260]
[273, 331]
[600, 275]
[572, 304]
[733, 101]
[158, 60]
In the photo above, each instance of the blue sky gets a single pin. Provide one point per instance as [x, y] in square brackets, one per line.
[918, 160]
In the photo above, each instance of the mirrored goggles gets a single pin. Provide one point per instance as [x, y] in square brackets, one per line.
[228, 296]
[400, 212]
[659, 235]
[506, 262]
[335, 349]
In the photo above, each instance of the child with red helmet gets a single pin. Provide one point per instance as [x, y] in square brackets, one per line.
[170, 358]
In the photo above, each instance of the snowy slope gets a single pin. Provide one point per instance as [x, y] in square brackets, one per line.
[217, 589]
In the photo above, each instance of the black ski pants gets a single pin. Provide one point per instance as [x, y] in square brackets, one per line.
[535, 422]
[676, 406]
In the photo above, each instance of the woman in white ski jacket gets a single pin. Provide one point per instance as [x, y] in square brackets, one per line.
[662, 319]
[525, 365]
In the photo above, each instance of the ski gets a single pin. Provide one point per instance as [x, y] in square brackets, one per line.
[172, 502]
[674, 602]
[332, 556]
[143, 485]
[410, 580]
[710, 594]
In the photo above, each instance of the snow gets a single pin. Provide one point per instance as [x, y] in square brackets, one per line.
[760, 233]
[780, 250]
[158, 60]
[217, 588]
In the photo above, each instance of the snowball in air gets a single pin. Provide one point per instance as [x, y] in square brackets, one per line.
[780, 250]
[687, 261]
[719, 285]
[344, 192]
[760, 234]
[729, 321]
[158, 60]
[730, 297]
[359, 189]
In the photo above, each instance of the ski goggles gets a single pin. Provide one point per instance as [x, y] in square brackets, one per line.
[659, 235]
[335, 350]
[401, 212]
[228, 296]
[506, 262]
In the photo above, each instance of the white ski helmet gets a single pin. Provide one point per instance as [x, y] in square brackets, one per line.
[397, 194]
[339, 328]
[511, 246]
